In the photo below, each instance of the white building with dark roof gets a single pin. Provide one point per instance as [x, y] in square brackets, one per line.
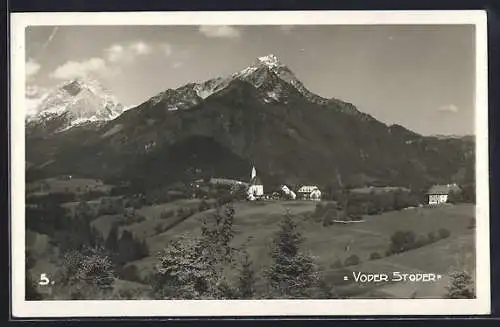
[309, 192]
[439, 193]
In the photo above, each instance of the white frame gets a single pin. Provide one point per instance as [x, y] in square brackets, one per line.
[22, 308]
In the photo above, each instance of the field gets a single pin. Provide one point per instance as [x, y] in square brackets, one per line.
[255, 224]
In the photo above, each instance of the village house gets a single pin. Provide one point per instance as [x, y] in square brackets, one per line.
[439, 193]
[288, 192]
[309, 192]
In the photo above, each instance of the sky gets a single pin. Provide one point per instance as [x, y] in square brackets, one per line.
[418, 76]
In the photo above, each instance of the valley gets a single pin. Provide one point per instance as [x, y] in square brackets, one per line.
[124, 198]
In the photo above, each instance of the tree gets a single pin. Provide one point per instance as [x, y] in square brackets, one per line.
[111, 206]
[461, 286]
[193, 267]
[431, 236]
[401, 199]
[182, 271]
[80, 233]
[112, 239]
[130, 249]
[86, 274]
[455, 197]
[469, 193]
[292, 274]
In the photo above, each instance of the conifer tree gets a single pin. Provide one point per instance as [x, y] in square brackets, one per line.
[292, 273]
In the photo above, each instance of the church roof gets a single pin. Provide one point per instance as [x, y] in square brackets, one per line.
[255, 181]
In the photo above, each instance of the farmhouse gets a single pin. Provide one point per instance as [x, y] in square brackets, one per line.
[439, 193]
[288, 192]
[255, 189]
[308, 192]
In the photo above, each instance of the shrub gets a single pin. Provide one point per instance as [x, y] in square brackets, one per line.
[401, 241]
[421, 240]
[375, 256]
[432, 237]
[444, 233]
[352, 261]
[461, 286]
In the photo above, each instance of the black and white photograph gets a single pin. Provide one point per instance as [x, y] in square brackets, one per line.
[334, 157]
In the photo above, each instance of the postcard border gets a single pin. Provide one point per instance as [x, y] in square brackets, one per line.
[138, 308]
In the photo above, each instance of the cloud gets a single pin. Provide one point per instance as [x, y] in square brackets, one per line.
[111, 61]
[177, 64]
[141, 48]
[127, 53]
[33, 91]
[115, 53]
[166, 48]
[73, 69]
[223, 31]
[33, 96]
[448, 108]
[32, 68]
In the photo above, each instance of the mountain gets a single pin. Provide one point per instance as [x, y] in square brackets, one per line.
[263, 116]
[75, 102]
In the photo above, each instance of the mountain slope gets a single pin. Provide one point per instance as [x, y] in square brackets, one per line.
[264, 116]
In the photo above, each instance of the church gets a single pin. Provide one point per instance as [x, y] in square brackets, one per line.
[256, 188]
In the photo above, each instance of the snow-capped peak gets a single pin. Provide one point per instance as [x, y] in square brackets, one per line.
[263, 74]
[77, 101]
[270, 60]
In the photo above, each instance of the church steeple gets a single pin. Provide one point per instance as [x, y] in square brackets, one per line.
[254, 173]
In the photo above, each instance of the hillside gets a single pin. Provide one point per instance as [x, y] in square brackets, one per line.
[264, 116]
